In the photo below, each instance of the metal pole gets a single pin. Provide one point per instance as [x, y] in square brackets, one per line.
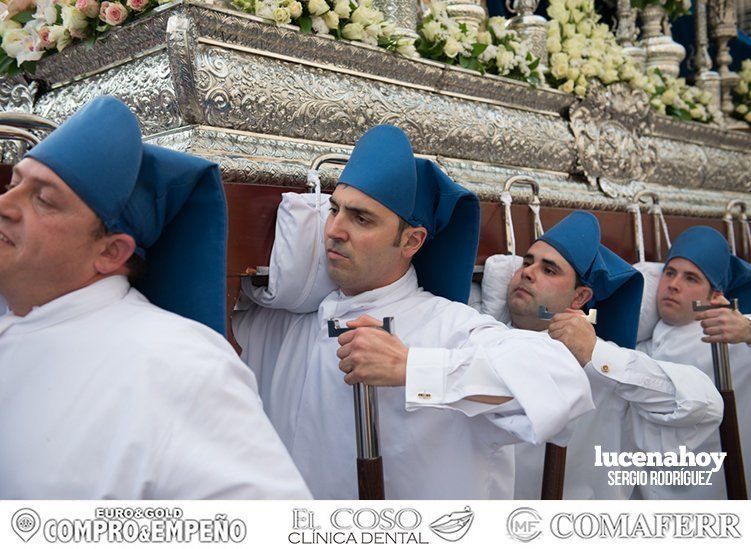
[730, 440]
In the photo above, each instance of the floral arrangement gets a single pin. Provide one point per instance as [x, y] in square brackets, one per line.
[672, 96]
[743, 92]
[30, 29]
[673, 8]
[581, 49]
[349, 19]
[493, 48]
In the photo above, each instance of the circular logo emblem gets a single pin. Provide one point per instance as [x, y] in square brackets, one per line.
[523, 524]
[25, 523]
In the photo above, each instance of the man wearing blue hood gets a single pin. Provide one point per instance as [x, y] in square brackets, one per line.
[105, 392]
[640, 404]
[700, 267]
[456, 387]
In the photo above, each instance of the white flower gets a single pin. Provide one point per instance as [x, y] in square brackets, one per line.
[370, 34]
[406, 47]
[568, 86]
[282, 16]
[452, 47]
[698, 112]
[484, 37]
[318, 25]
[366, 16]
[295, 10]
[19, 44]
[331, 19]
[558, 12]
[553, 44]
[342, 9]
[498, 26]
[669, 97]
[504, 59]
[430, 30]
[7, 25]
[353, 31]
[317, 7]
[46, 13]
[74, 21]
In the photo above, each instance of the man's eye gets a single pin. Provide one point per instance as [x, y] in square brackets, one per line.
[549, 271]
[333, 210]
[42, 201]
[362, 221]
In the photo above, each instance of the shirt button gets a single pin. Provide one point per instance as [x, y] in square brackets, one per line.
[424, 396]
[605, 368]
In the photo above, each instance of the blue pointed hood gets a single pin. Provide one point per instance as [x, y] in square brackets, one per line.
[171, 203]
[616, 285]
[384, 167]
[706, 248]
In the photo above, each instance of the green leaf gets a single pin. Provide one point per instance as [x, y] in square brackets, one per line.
[23, 17]
[29, 66]
[465, 62]
[534, 64]
[478, 48]
[533, 79]
[306, 24]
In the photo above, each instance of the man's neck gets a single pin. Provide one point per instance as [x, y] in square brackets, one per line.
[531, 323]
[22, 302]
[349, 292]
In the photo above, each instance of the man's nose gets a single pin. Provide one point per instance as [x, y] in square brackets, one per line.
[9, 205]
[335, 228]
[528, 272]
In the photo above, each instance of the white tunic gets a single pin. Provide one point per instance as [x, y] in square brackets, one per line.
[640, 404]
[683, 344]
[103, 395]
[437, 447]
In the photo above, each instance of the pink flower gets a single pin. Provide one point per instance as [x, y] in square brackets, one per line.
[90, 8]
[138, 5]
[113, 13]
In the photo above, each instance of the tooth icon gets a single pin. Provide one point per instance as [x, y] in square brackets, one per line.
[25, 523]
[454, 526]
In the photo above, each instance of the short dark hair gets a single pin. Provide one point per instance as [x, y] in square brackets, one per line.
[135, 264]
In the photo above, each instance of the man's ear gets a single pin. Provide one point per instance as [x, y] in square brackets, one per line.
[115, 251]
[582, 295]
[413, 239]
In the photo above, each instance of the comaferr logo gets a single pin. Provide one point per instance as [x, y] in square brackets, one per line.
[524, 524]
[641, 525]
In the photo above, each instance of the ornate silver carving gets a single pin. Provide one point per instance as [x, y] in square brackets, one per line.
[627, 33]
[662, 51]
[249, 158]
[293, 96]
[722, 25]
[258, 94]
[532, 29]
[403, 13]
[471, 12]
[182, 43]
[608, 125]
[145, 85]
[15, 95]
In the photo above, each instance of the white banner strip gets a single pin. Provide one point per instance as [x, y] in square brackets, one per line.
[440, 524]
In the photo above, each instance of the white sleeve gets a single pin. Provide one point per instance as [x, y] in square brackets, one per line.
[547, 385]
[215, 441]
[260, 331]
[669, 404]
